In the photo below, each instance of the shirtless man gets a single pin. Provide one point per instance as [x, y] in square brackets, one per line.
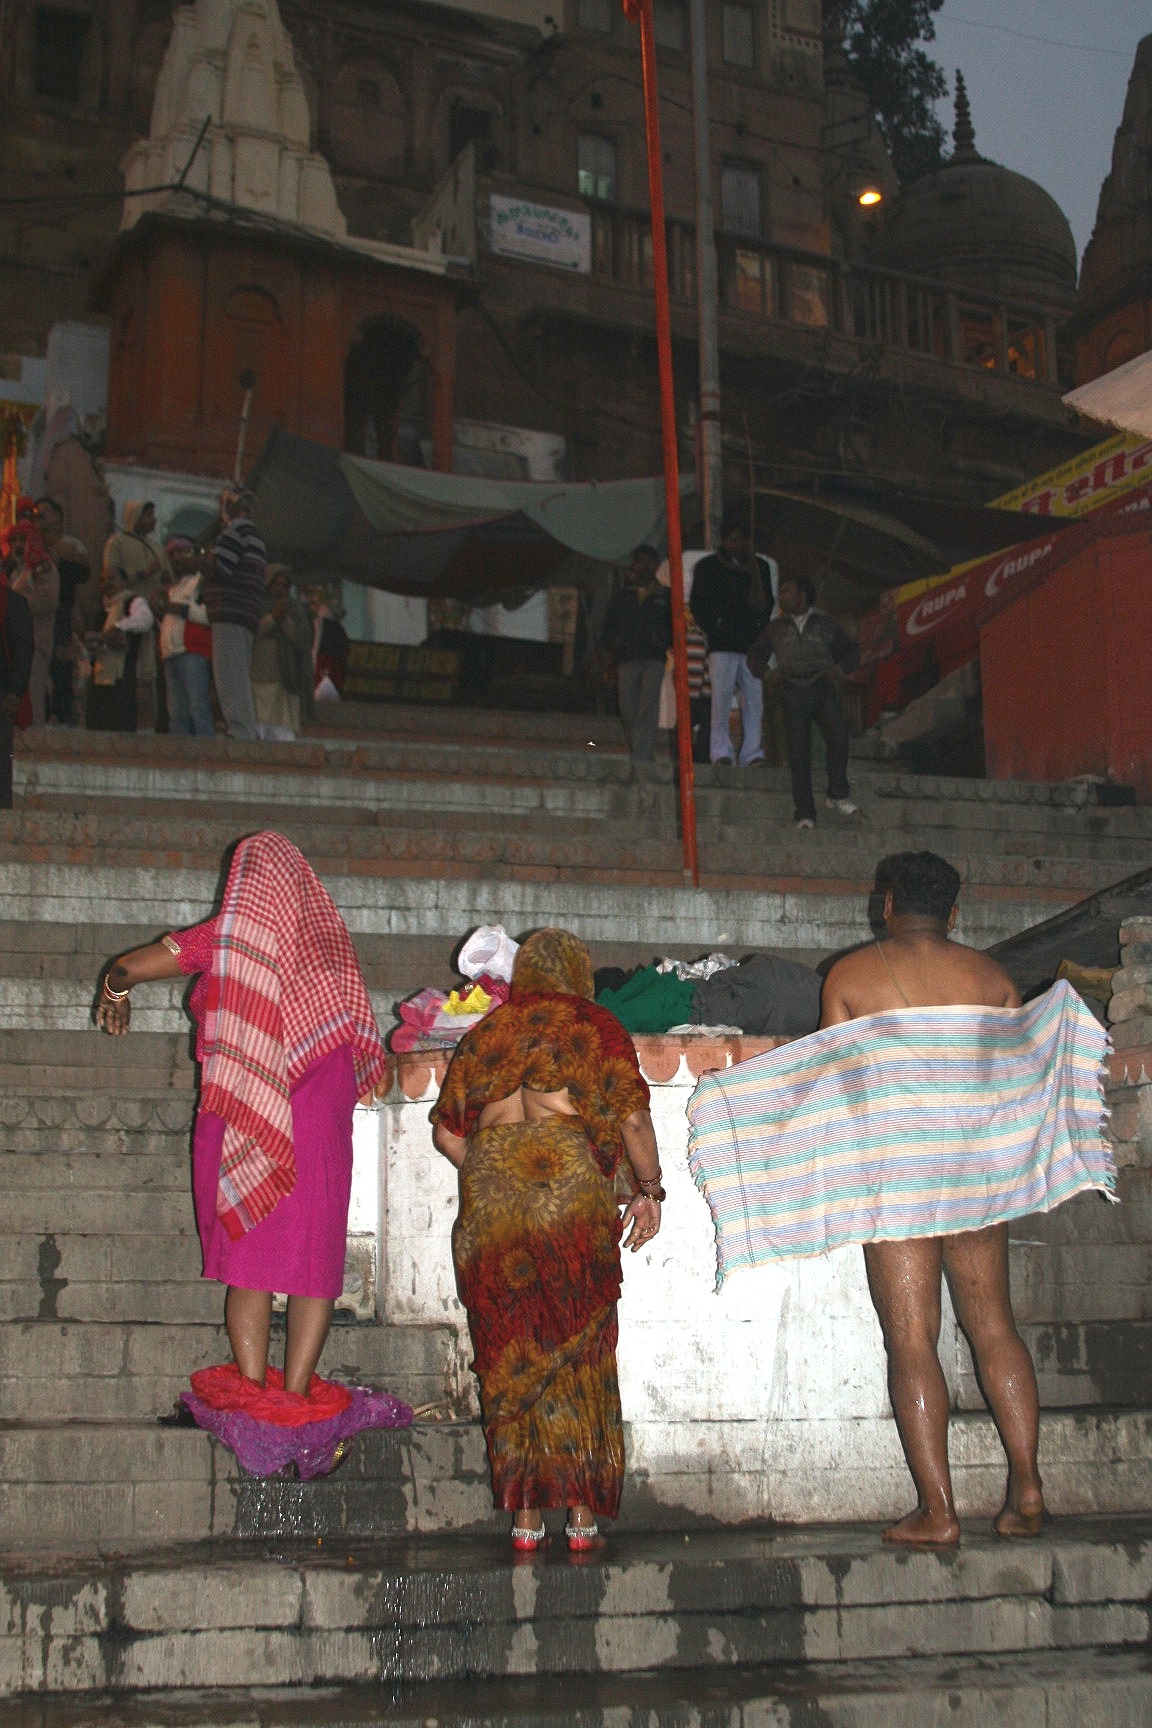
[919, 966]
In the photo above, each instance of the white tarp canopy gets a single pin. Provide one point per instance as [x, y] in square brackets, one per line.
[1122, 398]
[418, 531]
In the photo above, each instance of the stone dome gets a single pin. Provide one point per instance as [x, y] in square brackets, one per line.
[982, 226]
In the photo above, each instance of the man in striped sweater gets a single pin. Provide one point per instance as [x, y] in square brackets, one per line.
[234, 595]
[919, 966]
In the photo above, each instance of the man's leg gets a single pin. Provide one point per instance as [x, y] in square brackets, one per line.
[722, 670]
[833, 723]
[232, 667]
[7, 739]
[646, 725]
[796, 705]
[628, 697]
[197, 675]
[751, 714]
[976, 1264]
[701, 711]
[179, 711]
[904, 1282]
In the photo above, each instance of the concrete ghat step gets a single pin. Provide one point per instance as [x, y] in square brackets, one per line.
[461, 805]
[84, 782]
[81, 1485]
[1083, 1688]
[515, 728]
[416, 1611]
[581, 756]
[126, 1371]
[1064, 866]
[788, 917]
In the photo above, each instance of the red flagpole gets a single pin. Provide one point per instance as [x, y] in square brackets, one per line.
[641, 11]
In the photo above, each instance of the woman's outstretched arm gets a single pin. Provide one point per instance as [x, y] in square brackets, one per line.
[138, 966]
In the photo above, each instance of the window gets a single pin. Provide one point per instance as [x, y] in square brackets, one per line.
[739, 36]
[596, 167]
[808, 296]
[669, 24]
[740, 200]
[58, 44]
[466, 124]
[594, 14]
[751, 287]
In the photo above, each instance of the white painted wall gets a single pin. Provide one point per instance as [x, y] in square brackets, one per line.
[765, 1400]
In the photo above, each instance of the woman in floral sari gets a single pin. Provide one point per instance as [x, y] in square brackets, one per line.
[543, 1109]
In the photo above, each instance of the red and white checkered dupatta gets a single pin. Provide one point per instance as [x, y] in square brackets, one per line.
[285, 988]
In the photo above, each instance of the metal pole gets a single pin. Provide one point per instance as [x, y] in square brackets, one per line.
[711, 462]
[642, 9]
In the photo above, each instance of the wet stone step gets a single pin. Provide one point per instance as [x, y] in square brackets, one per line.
[412, 1611]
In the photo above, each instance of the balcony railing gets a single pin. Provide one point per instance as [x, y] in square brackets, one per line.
[884, 308]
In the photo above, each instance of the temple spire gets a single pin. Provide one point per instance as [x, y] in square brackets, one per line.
[963, 131]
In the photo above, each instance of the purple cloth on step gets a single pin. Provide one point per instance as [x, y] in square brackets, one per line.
[264, 1448]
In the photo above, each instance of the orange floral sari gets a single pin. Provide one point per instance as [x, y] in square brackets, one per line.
[536, 1242]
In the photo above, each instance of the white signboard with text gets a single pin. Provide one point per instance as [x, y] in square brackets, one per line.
[518, 228]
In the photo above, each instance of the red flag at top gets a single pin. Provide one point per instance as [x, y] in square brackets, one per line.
[632, 10]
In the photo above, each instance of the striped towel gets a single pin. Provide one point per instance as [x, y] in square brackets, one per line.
[915, 1122]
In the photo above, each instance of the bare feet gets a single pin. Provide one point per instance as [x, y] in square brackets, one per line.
[924, 1529]
[1021, 1514]
[528, 1533]
[581, 1530]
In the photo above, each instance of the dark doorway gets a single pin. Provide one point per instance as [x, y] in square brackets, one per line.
[386, 393]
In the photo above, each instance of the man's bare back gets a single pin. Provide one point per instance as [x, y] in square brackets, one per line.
[916, 967]
[919, 966]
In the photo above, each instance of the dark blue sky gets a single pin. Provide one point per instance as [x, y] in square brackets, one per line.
[1047, 80]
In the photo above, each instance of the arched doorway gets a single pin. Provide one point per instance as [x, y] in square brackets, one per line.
[386, 393]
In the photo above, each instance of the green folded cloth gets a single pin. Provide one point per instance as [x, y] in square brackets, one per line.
[650, 1001]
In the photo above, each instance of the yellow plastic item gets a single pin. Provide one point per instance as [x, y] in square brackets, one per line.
[474, 1001]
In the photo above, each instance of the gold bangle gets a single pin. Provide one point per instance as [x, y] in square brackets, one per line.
[115, 995]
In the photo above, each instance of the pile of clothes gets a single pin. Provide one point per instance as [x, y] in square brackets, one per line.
[760, 995]
[438, 1019]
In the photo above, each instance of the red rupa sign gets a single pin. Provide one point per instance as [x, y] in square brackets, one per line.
[939, 627]
[955, 608]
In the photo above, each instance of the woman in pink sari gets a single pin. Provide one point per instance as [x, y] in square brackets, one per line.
[287, 1042]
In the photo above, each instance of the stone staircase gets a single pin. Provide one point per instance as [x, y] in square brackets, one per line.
[424, 824]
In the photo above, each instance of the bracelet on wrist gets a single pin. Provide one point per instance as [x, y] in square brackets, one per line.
[115, 995]
[657, 1194]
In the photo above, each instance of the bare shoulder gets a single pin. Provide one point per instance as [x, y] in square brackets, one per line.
[849, 986]
[986, 978]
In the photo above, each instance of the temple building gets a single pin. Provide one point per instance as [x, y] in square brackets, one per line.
[234, 291]
[1113, 322]
[979, 226]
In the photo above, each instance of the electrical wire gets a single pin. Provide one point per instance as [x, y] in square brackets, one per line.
[1027, 36]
